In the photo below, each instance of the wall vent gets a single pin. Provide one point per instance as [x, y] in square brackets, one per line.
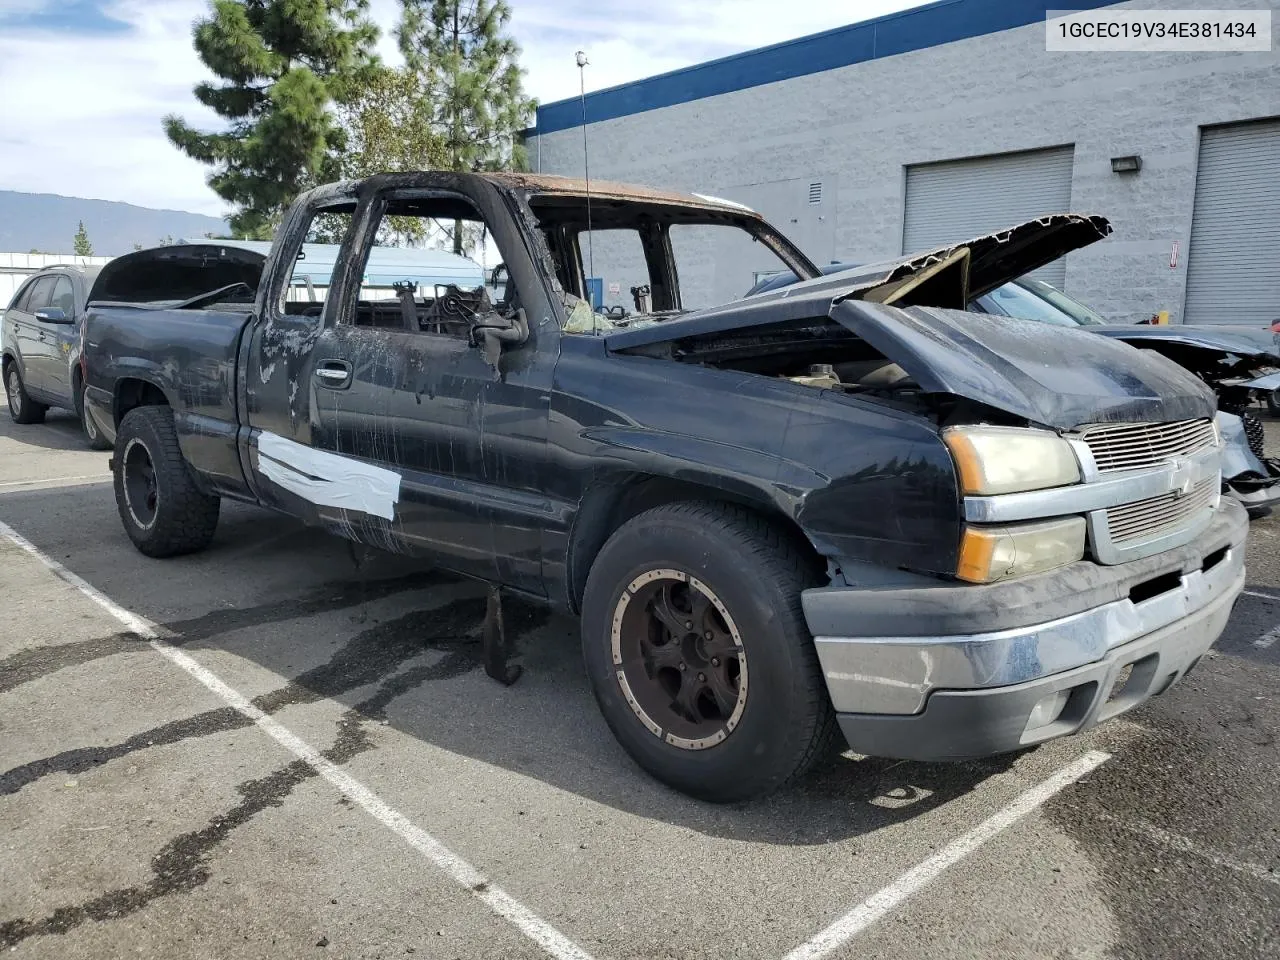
[815, 192]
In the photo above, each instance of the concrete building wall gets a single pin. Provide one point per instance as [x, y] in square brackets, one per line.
[858, 127]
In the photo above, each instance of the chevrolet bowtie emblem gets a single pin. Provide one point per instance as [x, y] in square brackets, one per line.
[1182, 479]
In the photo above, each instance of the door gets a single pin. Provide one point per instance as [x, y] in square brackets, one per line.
[960, 199]
[381, 417]
[56, 340]
[1233, 265]
[31, 342]
[413, 403]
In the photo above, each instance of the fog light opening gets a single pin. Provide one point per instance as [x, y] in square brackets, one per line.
[1048, 709]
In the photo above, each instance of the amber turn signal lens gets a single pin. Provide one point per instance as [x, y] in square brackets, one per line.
[988, 554]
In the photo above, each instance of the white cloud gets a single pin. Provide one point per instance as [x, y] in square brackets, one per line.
[81, 111]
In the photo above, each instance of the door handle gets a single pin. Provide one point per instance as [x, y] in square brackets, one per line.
[334, 374]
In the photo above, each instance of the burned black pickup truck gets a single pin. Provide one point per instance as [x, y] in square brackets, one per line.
[848, 505]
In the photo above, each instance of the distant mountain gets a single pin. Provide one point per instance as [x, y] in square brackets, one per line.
[47, 222]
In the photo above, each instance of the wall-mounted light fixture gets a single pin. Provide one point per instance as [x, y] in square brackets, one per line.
[1130, 164]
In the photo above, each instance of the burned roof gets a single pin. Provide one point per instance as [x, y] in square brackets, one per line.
[549, 185]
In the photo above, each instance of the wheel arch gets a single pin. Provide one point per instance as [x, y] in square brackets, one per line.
[611, 502]
[132, 392]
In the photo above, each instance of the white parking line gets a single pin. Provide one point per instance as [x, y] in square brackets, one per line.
[1268, 639]
[880, 903]
[496, 899]
[1264, 596]
[103, 477]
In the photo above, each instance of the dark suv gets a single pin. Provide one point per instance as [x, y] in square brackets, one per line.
[41, 335]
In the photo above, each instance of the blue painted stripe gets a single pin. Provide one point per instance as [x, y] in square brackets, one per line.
[917, 29]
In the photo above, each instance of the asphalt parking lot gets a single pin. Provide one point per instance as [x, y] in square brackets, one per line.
[309, 762]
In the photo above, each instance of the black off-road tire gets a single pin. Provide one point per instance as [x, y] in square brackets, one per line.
[181, 518]
[22, 409]
[757, 572]
[92, 435]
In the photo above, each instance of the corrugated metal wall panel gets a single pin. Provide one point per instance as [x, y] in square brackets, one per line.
[1233, 266]
[958, 199]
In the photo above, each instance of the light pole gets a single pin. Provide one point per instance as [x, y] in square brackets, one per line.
[582, 62]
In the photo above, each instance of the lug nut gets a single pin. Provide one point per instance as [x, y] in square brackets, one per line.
[702, 678]
[688, 624]
[708, 635]
[715, 661]
[683, 665]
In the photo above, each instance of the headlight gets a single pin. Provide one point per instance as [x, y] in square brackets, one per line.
[993, 460]
[990, 553]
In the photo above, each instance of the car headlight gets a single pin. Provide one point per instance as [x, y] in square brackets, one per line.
[990, 553]
[992, 460]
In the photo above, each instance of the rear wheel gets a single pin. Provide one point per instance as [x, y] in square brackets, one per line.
[163, 511]
[92, 434]
[698, 652]
[22, 409]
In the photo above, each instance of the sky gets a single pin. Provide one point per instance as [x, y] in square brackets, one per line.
[84, 83]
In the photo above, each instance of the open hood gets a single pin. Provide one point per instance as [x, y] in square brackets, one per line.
[911, 311]
[1056, 376]
[179, 273]
[993, 259]
[946, 277]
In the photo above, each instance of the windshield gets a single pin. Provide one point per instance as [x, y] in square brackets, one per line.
[1082, 315]
[642, 261]
[1014, 300]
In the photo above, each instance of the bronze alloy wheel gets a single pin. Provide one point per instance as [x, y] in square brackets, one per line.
[679, 659]
[140, 490]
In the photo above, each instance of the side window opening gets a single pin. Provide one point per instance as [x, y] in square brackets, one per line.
[412, 279]
[63, 297]
[20, 298]
[41, 292]
[307, 290]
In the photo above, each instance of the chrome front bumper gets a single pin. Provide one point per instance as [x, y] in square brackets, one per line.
[896, 674]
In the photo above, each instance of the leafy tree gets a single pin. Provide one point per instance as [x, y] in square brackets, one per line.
[281, 63]
[137, 246]
[81, 244]
[468, 69]
[390, 128]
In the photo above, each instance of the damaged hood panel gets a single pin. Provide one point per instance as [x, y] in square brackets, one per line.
[1054, 376]
[994, 258]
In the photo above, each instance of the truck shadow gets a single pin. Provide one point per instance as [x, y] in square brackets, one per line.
[406, 652]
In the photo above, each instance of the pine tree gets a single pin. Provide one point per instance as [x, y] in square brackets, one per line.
[468, 68]
[281, 63]
[81, 244]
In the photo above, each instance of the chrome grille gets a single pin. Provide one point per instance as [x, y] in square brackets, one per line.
[1134, 446]
[1144, 519]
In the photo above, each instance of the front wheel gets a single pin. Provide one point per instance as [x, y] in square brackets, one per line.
[698, 652]
[22, 409]
[163, 511]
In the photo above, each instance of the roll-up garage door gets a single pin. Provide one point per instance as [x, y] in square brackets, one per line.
[958, 199]
[1233, 266]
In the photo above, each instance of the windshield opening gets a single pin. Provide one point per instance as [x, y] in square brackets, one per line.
[1083, 315]
[644, 261]
[1015, 300]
